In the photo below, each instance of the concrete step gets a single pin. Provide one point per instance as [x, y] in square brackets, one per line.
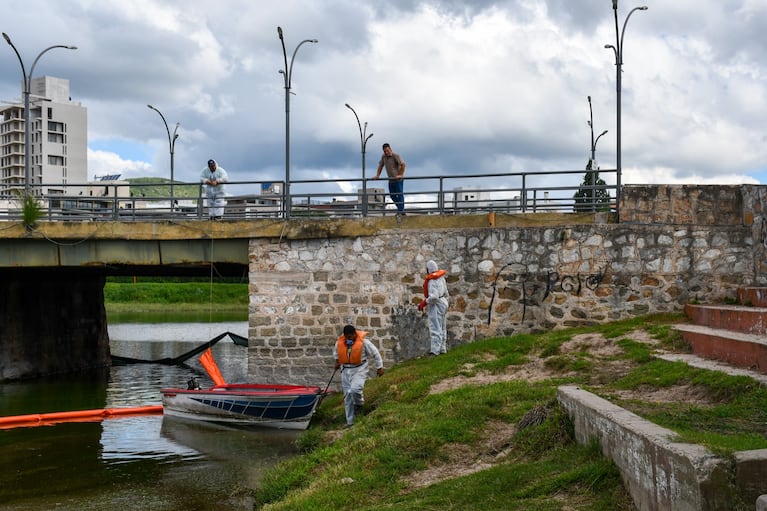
[738, 318]
[753, 296]
[748, 351]
[714, 365]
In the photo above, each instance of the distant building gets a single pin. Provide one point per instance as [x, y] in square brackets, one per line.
[467, 199]
[376, 198]
[268, 203]
[58, 139]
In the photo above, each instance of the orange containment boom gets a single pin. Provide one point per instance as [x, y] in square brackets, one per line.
[47, 419]
[209, 363]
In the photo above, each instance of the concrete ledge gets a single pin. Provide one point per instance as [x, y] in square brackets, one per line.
[751, 475]
[295, 228]
[659, 472]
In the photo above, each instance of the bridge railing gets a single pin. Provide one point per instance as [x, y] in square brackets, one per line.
[515, 192]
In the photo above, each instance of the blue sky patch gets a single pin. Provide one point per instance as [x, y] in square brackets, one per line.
[127, 149]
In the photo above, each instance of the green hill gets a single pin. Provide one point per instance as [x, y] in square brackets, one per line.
[160, 187]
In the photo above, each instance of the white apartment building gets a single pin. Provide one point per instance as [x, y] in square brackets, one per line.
[58, 140]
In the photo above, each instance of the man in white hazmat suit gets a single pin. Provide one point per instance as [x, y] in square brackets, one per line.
[435, 298]
[351, 353]
[214, 177]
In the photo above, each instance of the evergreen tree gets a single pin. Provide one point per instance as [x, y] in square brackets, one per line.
[592, 199]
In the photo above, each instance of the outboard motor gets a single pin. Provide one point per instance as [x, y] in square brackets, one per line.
[192, 384]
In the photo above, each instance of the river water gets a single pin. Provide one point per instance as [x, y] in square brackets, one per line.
[138, 462]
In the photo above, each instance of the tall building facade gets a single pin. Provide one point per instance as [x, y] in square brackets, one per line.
[58, 141]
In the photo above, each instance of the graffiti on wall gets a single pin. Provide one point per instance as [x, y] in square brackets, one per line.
[763, 233]
[536, 288]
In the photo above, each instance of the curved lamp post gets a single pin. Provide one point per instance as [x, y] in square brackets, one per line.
[287, 74]
[594, 147]
[172, 147]
[593, 142]
[27, 87]
[363, 143]
[593, 160]
[618, 51]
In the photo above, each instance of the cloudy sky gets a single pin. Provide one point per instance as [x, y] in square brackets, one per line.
[457, 87]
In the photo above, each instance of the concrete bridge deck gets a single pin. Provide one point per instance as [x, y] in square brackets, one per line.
[168, 248]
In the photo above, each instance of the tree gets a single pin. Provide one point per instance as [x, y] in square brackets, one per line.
[590, 197]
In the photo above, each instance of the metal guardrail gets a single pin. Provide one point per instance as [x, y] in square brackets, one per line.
[517, 192]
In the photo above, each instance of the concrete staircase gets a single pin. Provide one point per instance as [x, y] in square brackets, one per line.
[733, 334]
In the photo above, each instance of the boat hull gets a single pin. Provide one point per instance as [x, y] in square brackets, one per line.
[275, 406]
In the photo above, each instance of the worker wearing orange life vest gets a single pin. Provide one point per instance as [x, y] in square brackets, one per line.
[435, 298]
[351, 353]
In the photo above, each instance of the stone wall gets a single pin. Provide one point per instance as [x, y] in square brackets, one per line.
[706, 205]
[51, 322]
[502, 280]
[683, 204]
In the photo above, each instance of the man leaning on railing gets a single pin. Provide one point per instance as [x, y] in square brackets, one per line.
[214, 178]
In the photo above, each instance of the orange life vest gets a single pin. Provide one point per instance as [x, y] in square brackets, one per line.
[353, 355]
[433, 275]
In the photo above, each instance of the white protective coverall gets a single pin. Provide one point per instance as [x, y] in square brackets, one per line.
[437, 304]
[215, 194]
[353, 378]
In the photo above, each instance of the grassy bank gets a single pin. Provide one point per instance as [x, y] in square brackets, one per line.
[192, 297]
[479, 427]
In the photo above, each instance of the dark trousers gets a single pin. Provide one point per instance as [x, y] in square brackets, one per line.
[396, 189]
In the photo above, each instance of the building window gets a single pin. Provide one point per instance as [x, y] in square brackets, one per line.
[55, 160]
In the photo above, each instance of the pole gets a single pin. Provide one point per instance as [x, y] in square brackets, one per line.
[593, 160]
[287, 75]
[330, 380]
[597, 141]
[593, 156]
[591, 126]
[618, 50]
[363, 143]
[27, 80]
[172, 148]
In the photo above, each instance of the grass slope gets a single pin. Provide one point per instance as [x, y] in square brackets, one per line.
[479, 427]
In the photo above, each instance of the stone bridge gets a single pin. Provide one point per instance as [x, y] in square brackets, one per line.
[309, 276]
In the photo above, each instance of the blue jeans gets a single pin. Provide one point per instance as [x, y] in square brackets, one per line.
[396, 188]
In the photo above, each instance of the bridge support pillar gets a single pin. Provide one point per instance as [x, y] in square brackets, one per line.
[51, 322]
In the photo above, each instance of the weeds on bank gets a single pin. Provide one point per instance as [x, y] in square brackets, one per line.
[176, 293]
[407, 430]
[31, 210]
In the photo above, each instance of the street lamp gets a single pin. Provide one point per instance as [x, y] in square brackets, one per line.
[363, 143]
[172, 147]
[27, 87]
[593, 142]
[287, 74]
[592, 167]
[618, 51]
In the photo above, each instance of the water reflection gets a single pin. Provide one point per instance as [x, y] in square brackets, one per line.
[154, 342]
[225, 441]
[135, 462]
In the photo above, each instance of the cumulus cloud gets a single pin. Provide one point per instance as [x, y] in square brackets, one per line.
[102, 163]
[457, 86]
